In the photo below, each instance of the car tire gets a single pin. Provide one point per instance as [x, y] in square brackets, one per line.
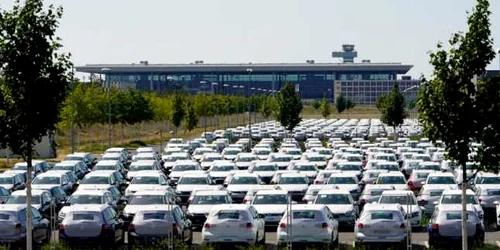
[335, 244]
[263, 241]
[189, 242]
[47, 237]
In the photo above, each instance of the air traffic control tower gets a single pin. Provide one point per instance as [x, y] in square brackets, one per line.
[348, 54]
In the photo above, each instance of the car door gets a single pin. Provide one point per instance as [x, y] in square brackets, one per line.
[260, 221]
[116, 222]
[40, 228]
[18, 183]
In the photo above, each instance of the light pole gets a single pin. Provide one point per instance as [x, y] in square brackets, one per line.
[205, 116]
[108, 88]
[224, 86]
[243, 119]
[249, 71]
[72, 112]
[408, 89]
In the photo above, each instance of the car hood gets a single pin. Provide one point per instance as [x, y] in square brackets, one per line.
[340, 209]
[270, 208]
[94, 186]
[294, 187]
[44, 186]
[200, 209]
[240, 188]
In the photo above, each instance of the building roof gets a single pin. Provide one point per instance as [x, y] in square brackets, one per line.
[256, 67]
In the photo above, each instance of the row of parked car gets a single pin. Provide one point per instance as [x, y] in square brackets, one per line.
[233, 192]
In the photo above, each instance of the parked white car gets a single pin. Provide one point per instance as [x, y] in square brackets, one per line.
[310, 224]
[407, 200]
[381, 223]
[235, 223]
[272, 204]
[340, 203]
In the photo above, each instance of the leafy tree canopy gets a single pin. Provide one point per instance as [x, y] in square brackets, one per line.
[289, 107]
[340, 104]
[392, 107]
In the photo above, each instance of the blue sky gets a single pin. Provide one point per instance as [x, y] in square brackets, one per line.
[234, 31]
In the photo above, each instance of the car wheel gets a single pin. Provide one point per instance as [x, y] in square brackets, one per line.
[263, 241]
[189, 242]
[47, 237]
[335, 244]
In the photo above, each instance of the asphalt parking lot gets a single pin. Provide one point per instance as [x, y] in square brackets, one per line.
[347, 238]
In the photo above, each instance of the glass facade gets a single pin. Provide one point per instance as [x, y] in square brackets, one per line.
[367, 92]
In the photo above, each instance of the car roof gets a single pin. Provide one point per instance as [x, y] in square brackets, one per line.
[151, 192]
[293, 174]
[444, 174]
[391, 173]
[377, 187]
[106, 173]
[87, 207]
[79, 154]
[271, 191]
[186, 162]
[57, 173]
[112, 154]
[308, 207]
[147, 153]
[243, 174]
[386, 207]
[458, 191]
[143, 163]
[343, 174]
[98, 192]
[148, 173]
[106, 162]
[333, 191]
[231, 207]
[195, 173]
[455, 207]
[33, 192]
[12, 207]
[9, 174]
[210, 192]
[398, 192]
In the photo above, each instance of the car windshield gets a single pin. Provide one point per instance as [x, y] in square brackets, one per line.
[112, 158]
[422, 175]
[397, 199]
[246, 158]
[95, 180]
[222, 168]
[193, 181]
[63, 167]
[457, 199]
[147, 199]
[145, 180]
[6, 180]
[133, 168]
[155, 216]
[232, 152]
[341, 180]
[440, 180]
[21, 199]
[305, 168]
[294, 152]
[316, 158]
[391, 180]
[386, 157]
[84, 199]
[386, 167]
[47, 180]
[349, 167]
[210, 199]
[104, 167]
[353, 158]
[264, 168]
[333, 199]
[429, 167]
[245, 180]
[308, 215]
[282, 159]
[228, 215]
[261, 152]
[270, 199]
[20, 167]
[292, 180]
[490, 180]
[434, 192]
[183, 168]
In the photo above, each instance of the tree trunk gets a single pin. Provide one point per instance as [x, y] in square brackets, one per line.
[464, 207]
[395, 137]
[29, 226]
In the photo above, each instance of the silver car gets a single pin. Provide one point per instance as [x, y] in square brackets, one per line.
[371, 193]
[13, 225]
[86, 222]
[341, 204]
[445, 226]
[157, 222]
[381, 223]
[429, 195]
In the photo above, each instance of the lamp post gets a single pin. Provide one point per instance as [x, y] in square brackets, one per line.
[243, 119]
[249, 71]
[224, 86]
[108, 88]
[204, 116]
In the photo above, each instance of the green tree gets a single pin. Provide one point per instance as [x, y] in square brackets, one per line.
[457, 109]
[268, 106]
[177, 111]
[340, 104]
[161, 111]
[289, 107]
[190, 119]
[392, 107]
[325, 108]
[349, 104]
[411, 104]
[316, 104]
[34, 80]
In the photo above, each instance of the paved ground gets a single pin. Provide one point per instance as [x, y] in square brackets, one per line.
[347, 238]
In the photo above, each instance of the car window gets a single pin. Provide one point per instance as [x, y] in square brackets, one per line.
[83, 216]
[271, 199]
[381, 215]
[228, 214]
[309, 215]
[35, 214]
[341, 180]
[333, 199]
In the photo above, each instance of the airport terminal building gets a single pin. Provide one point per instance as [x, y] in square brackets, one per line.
[362, 82]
